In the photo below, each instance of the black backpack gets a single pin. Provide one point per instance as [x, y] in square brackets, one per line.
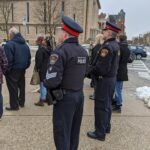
[131, 57]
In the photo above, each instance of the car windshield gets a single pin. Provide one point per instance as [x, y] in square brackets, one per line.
[140, 47]
[132, 47]
[85, 46]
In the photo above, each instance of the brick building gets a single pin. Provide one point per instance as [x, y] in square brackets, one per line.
[118, 19]
[24, 16]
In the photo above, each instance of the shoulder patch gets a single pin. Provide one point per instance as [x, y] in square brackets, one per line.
[53, 59]
[104, 52]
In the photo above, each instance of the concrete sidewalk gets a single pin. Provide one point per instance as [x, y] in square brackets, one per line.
[31, 127]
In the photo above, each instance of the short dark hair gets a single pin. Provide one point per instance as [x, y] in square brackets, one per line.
[114, 34]
[122, 37]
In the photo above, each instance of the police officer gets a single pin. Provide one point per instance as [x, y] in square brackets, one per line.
[66, 71]
[105, 71]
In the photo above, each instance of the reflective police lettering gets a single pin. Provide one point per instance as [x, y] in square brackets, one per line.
[51, 75]
[81, 60]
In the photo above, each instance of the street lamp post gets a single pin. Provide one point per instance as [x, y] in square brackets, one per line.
[24, 22]
[140, 39]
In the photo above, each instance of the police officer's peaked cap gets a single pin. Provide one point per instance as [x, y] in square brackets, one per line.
[70, 26]
[112, 26]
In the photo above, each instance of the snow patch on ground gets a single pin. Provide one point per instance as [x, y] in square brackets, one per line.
[33, 59]
[148, 53]
[144, 75]
[143, 93]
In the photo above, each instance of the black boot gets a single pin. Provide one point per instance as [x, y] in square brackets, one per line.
[39, 103]
[117, 109]
[92, 97]
[93, 135]
[113, 102]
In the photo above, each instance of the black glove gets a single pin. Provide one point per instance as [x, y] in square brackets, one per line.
[89, 72]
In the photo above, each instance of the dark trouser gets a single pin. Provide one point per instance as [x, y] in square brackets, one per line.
[1, 101]
[16, 86]
[67, 117]
[103, 99]
[95, 83]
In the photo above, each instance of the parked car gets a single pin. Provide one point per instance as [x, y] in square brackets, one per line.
[86, 47]
[139, 51]
[132, 57]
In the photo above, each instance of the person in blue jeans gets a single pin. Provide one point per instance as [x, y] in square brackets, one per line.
[122, 73]
[3, 68]
[41, 62]
[118, 93]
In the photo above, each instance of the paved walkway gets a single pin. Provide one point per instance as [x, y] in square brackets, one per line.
[31, 127]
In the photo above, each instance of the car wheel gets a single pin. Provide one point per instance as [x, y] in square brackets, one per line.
[138, 57]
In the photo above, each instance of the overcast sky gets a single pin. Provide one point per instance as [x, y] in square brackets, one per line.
[137, 14]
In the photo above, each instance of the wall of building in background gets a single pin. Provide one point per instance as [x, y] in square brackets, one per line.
[118, 19]
[24, 17]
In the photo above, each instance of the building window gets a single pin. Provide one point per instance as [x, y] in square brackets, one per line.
[19, 29]
[45, 29]
[63, 7]
[28, 29]
[28, 12]
[45, 12]
[74, 17]
[94, 3]
[36, 28]
[12, 12]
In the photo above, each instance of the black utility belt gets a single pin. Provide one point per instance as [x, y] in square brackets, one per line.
[56, 95]
[66, 91]
[103, 77]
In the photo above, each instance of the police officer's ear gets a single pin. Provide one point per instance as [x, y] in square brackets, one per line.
[65, 35]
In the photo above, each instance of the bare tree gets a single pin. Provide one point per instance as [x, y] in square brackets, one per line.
[48, 12]
[5, 10]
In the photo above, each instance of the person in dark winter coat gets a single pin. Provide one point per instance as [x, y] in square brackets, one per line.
[19, 59]
[3, 68]
[122, 74]
[41, 62]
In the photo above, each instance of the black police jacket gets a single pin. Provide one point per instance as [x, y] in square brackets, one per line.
[67, 66]
[107, 60]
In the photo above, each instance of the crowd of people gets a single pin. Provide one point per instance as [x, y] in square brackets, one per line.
[61, 74]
